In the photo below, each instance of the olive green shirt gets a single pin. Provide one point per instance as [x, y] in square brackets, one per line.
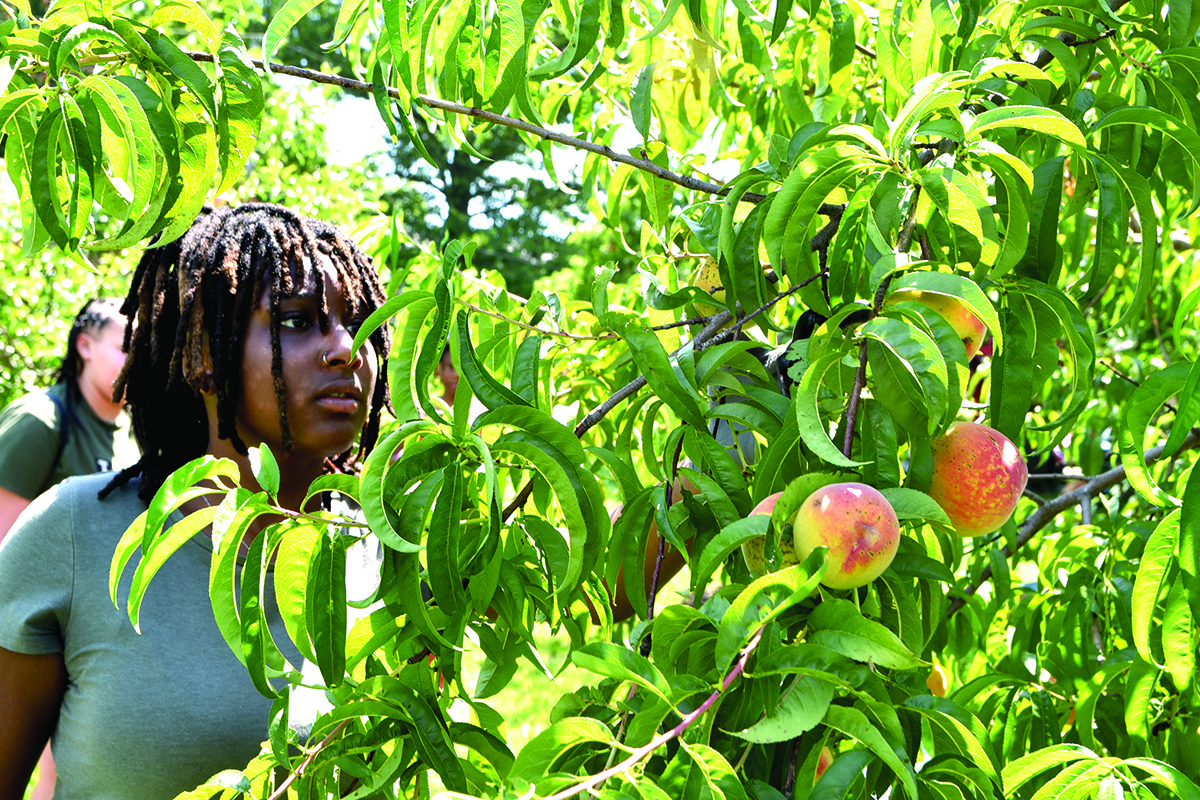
[31, 429]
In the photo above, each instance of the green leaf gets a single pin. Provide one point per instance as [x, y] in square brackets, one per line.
[537, 757]
[813, 429]
[839, 626]
[661, 372]
[1166, 775]
[291, 581]
[1020, 771]
[1144, 117]
[65, 45]
[1158, 558]
[911, 504]
[240, 106]
[641, 106]
[490, 391]
[265, 468]
[1139, 410]
[282, 22]
[442, 547]
[621, 663]
[1187, 414]
[183, 68]
[908, 369]
[803, 706]
[583, 41]
[764, 600]
[1177, 629]
[854, 723]
[325, 607]
[1032, 118]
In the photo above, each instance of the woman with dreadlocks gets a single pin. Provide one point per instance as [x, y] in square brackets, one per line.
[73, 428]
[242, 335]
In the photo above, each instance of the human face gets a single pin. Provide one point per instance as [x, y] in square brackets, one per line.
[328, 391]
[102, 358]
[448, 376]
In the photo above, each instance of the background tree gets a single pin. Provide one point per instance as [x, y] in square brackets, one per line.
[1036, 163]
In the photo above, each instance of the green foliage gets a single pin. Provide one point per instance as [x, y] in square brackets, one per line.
[1037, 162]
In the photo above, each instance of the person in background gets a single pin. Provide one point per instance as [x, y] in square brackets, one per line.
[242, 336]
[73, 428]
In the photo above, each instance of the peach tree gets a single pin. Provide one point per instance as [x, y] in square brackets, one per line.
[1032, 164]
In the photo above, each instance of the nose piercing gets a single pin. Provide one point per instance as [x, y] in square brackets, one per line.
[325, 359]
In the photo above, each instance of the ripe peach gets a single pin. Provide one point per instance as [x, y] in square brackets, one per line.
[823, 762]
[859, 527]
[754, 550]
[968, 326]
[978, 477]
[937, 681]
[708, 278]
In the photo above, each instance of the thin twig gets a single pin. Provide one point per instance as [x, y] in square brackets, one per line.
[646, 749]
[534, 328]
[645, 165]
[1045, 514]
[308, 759]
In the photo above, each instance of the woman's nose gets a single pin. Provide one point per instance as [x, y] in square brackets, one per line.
[340, 343]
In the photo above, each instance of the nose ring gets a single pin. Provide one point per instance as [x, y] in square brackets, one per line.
[325, 359]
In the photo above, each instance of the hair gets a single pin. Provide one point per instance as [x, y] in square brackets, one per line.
[91, 319]
[188, 307]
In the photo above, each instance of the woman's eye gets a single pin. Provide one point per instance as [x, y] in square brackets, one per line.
[294, 321]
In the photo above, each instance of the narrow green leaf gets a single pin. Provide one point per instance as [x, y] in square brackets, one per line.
[854, 723]
[1022, 770]
[641, 106]
[813, 428]
[1157, 559]
[1140, 409]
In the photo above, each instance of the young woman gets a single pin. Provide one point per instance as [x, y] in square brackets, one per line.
[242, 336]
[73, 428]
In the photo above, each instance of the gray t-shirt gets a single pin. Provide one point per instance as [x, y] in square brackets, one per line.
[147, 715]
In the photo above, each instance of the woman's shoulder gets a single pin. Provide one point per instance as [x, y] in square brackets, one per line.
[38, 405]
[76, 501]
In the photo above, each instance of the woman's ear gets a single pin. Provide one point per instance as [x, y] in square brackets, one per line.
[83, 345]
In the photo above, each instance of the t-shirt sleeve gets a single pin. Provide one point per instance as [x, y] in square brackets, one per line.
[28, 444]
[37, 576]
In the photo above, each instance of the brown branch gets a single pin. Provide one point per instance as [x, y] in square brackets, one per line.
[1045, 514]
[498, 119]
[281, 791]
[648, 748]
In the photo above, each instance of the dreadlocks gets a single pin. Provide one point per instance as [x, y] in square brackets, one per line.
[188, 307]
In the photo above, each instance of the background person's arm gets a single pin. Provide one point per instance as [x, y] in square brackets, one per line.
[31, 692]
[11, 506]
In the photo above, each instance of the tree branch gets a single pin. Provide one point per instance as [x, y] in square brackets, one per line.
[1045, 514]
[646, 749]
[498, 119]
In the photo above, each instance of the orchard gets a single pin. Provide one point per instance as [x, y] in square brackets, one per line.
[907, 217]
